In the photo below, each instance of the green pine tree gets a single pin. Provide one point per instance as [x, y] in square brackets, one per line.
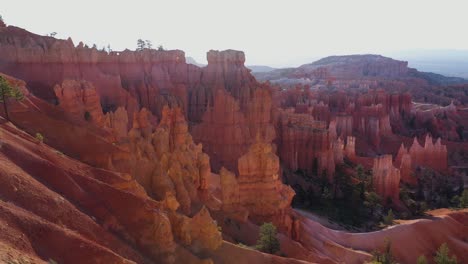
[7, 91]
[464, 199]
[388, 219]
[268, 242]
[442, 256]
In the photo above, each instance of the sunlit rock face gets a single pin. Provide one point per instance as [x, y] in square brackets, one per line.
[165, 159]
[431, 155]
[226, 132]
[258, 174]
[386, 178]
[80, 100]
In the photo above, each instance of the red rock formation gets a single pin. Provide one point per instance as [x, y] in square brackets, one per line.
[259, 174]
[117, 121]
[431, 155]
[344, 125]
[107, 213]
[386, 178]
[404, 162]
[80, 100]
[166, 160]
[301, 140]
[331, 246]
[226, 132]
[350, 148]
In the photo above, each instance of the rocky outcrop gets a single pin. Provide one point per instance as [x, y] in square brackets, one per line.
[117, 121]
[431, 155]
[129, 79]
[80, 100]
[301, 140]
[350, 148]
[226, 131]
[404, 162]
[165, 159]
[386, 179]
[107, 213]
[259, 173]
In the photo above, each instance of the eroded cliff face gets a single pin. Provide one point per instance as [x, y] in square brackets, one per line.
[110, 214]
[431, 155]
[130, 79]
[165, 159]
[386, 179]
[80, 101]
[259, 172]
[227, 132]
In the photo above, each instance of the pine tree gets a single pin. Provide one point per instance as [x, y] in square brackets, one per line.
[7, 91]
[464, 199]
[442, 256]
[141, 44]
[149, 44]
[268, 242]
[388, 219]
[385, 257]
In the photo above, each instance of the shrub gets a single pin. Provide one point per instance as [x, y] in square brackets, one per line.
[421, 260]
[39, 137]
[442, 256]
[464, 199]
[388, 219]
[268, 242]
[385, 257]
[87, 116]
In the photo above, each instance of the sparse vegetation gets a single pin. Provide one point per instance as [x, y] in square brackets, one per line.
[421, 260]
[442, 256]
[388, 219]
[39, 137]
[268, 242]
[149, 44]
[141, 45]
[464, 199]
[7, 91]
[87, 116]
[384, 257]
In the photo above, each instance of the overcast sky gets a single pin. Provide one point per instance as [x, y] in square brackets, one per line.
[276, 33]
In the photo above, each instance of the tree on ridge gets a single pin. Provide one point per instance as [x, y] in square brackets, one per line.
[6, 92]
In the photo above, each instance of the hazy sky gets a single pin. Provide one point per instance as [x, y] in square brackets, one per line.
[270, 32]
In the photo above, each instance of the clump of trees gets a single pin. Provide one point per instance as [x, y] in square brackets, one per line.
[461, 201]
[146, 44]
[385, 256]
[442, 256]
[268, 242]
[7, 92]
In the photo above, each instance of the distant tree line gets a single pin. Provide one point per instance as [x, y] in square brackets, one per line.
[146, 44]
